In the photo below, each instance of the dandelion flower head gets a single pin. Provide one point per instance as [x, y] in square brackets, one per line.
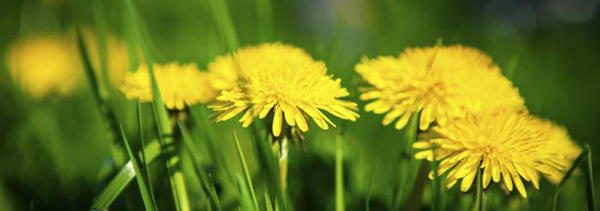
[441, 82]
[505, 146]
[179, 85]
[560, 143]
[225, 69]
[284, 83]
[44, 64]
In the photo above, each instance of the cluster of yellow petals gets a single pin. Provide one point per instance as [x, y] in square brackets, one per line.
[559, 142]
[505, 146]
[45, 65]
[280, 81]
[179, 85]
[441, 82]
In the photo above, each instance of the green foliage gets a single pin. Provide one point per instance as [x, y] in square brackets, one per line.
[69, 153]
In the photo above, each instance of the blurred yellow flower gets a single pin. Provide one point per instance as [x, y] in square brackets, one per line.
[560, 143]
[44, 65]
[223, 71]
[117, 55]
[506, 145]
[441, 82]
[282, 82]
[179, 85]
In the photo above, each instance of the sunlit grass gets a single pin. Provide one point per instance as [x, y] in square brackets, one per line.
[166, 160]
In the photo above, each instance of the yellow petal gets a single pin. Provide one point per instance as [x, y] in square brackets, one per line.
[487, 177]
[507, 179]
[519, 185]
[289, 113]
[495, 170]
[265, 110]
[403, 121]
[467, 181]
[422, 145]
[423, 155]
[301, 122]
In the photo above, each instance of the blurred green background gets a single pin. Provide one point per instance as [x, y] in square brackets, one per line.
[55, 153]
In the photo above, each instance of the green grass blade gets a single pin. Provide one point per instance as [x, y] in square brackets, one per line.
[246, 171]
[579, 161]
[176, 179]
[200, 116]
[122, 179]
[143, 158]
[147, 198]
[436, 187]
[269, 162]
[208, 187]
[589, 176]
[89, 69]
[268, 202]
[339, 174]
[265, 21]
[223, 21]
[101, 41]
[245, 196]
[370, 188]
[410, 167]
[109, 116]
[114, 188]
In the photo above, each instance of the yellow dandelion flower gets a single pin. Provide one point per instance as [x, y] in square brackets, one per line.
[441, 82]
[179, 85]
[44, 65]
[283, 81]
[560, 143]
[224, 69]
[506, 146]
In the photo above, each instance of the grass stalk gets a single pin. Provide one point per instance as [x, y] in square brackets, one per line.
[267, 154]
[583, 161]
[405, 154]
[247, 176]
[143, 157]
[123, 178]
[589, 178]
[436, 186]
[147, 198]
[207, 185]
[246, 202]
[169, 152]
[339, 174]
[370, 187]
[268, 202]
[200, 116]
[224, 23]
[265, 20]
[101, 41]
[107, 113]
